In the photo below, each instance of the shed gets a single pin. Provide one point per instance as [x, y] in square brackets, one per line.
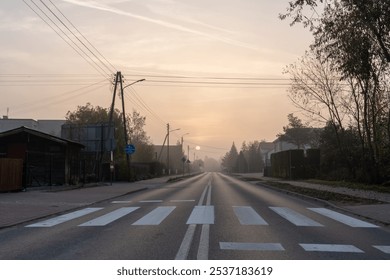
[47, 159]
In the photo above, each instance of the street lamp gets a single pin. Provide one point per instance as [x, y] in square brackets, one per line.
[141, 80]
[124, 121]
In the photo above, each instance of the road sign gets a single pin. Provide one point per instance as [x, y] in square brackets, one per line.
[130, 149]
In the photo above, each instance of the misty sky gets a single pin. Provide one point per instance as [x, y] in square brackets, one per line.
[213, 68]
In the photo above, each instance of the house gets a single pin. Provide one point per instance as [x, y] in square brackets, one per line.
[47, 159]
[176, 155]
[265, 151]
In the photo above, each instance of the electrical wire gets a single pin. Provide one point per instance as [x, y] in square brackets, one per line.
[58, 30]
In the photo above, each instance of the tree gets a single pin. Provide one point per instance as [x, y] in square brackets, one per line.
[88, 114]
[229, 161]
[353, 37]
[296, 133]
[241, 165]
[252, 154]
[367, 18]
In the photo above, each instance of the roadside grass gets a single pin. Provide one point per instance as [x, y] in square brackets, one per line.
[351, 185]
[332, 197]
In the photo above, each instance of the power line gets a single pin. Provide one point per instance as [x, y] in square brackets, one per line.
[62, 97]
[105, 59]
[74, 35]
[79, 50]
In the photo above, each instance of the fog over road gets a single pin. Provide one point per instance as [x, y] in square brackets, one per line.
[209, 216]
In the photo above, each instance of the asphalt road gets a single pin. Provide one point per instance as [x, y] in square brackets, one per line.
[209, 216]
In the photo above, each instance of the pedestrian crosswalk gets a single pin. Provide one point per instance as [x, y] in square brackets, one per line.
[205, 215]
[244, 215]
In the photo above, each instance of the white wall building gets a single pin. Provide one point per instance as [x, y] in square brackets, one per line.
[52, 127]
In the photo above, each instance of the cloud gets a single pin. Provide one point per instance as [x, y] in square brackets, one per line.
[106, 8]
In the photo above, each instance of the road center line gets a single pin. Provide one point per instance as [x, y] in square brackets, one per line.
[203, 249]
[185, 245]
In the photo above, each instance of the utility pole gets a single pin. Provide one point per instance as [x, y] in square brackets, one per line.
[110, 124]
[119, 79]
[168, 169]
[128, 159]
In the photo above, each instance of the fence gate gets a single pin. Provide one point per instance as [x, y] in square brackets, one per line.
[11, 174]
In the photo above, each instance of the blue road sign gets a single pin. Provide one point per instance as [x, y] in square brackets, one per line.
[130, 149]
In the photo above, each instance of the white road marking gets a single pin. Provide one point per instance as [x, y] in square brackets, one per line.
[203, 249]
[185, 245]
[151, 201]
[251, 246]
[247, 216]
[201, 215]
[384, 249]
[331, 248]
[64, 218]
[342, 218]
[121, 201]
[156, 216]
[183, 200]
[109, 217]
[295, 218]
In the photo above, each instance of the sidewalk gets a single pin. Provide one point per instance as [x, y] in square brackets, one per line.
[377, 212]
[20, 207]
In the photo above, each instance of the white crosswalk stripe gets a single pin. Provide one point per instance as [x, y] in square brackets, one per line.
[156, 216]
[384, 249]
[110, 217]
[342, 218]
[295, 217]
[64, 218]
[248, 216]
[340, 248]
[201, 215]
[251, 246]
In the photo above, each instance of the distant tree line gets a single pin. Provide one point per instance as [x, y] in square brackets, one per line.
[343, 82]
[248, 160]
